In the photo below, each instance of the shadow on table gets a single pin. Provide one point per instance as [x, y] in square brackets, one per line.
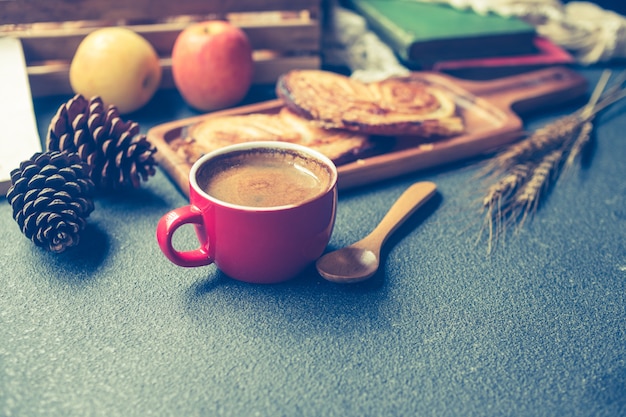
[311, 277]
[79, 262]
[307, 298]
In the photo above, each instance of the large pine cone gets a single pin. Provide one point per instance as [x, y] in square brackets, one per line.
[51, 196]
[119, 156]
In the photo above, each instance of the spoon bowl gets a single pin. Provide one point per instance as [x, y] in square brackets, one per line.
[349, 264]
[361, 260]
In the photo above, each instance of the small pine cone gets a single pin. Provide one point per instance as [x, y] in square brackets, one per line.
[51, 197]
[119, 156]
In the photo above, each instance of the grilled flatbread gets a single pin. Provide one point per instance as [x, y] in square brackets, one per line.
[339, 145]
[393, 107]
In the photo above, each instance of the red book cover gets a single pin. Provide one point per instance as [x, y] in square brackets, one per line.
[485, 68]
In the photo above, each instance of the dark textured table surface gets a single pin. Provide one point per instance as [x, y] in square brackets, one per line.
[537, 328]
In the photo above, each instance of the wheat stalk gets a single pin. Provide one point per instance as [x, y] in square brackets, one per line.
[581, 142]
[565, 131]
[584, 135]
[528, 169]
[597, 102]
[540, 142]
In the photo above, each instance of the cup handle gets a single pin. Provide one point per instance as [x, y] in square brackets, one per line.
[167, 226]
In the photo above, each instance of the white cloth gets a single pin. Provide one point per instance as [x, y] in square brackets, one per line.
[590, 32]
[349, 42]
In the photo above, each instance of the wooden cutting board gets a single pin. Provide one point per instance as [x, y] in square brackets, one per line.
[490, 110]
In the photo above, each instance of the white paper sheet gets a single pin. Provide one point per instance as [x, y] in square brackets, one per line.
[19, 137]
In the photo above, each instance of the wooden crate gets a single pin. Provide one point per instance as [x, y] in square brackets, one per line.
[285, 34]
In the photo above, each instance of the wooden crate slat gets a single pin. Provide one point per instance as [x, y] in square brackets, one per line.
[61, 44]
[32, 11]
[49, 80]
[51, 30]
[266, 71]
[53, 79]
[269, 70]
[286, 38]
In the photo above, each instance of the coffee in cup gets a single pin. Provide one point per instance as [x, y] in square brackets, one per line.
[264, 177]
[263, 211]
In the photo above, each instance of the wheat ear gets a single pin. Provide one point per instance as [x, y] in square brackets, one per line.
[542, 178]
[498, 200]
[499, 194]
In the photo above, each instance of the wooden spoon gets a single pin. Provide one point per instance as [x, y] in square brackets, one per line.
[360, 260]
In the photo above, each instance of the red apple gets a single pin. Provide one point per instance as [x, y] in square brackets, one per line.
[212, 65]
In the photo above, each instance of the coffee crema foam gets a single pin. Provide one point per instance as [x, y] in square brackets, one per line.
[264, 178]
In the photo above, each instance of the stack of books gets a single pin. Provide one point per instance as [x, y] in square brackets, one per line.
[430, 36]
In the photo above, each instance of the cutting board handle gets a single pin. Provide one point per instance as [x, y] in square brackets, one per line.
[531, 91]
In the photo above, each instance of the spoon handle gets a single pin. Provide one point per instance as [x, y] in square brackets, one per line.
[416, 195]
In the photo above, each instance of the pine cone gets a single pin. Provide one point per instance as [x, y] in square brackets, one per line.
[51, 196]
[119, 156]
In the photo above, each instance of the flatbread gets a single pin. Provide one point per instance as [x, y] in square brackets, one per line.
[340, 146]
[393, 107]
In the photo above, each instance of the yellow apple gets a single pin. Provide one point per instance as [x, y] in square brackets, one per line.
[117, 64]
[212, 65]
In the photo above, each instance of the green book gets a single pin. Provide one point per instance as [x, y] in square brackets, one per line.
[424, 33]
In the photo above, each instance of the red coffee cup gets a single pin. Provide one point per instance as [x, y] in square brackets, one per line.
[262, 211]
